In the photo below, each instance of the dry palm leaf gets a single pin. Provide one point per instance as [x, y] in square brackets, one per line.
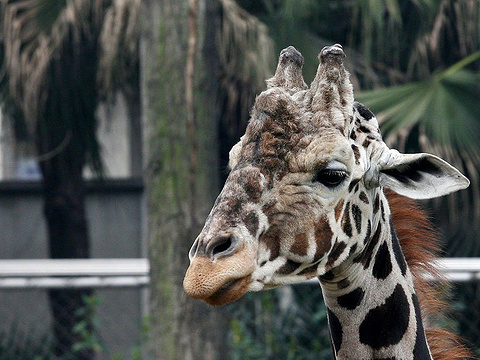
[34, 31]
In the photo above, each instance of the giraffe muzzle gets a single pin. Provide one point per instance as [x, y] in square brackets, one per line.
[222, 273]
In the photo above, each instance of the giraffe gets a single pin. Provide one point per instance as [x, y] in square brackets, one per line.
[306, 197]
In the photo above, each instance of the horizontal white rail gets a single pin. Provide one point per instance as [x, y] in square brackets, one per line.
[75, 282]
[104, 273]
[459, 264]
[73, 273]
[74, 267]
[460, 269]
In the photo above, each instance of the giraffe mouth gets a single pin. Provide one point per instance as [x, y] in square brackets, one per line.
[229, 292]
[220, 281]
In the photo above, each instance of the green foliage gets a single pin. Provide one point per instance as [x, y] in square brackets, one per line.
[139, 352]
[446, 106]
[440, 116]
[21, 344]
[30, 345]
[87, 328]
[306, 24]
[467, 303]
[288, 323]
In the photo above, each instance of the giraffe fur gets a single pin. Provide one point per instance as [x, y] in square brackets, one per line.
[305, 198]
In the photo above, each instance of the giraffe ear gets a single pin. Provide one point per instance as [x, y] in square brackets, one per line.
[419, 176]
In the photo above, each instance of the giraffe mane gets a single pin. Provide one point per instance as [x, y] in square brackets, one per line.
[421, 246]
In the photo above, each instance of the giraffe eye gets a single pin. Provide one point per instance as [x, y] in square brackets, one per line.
[329, 177]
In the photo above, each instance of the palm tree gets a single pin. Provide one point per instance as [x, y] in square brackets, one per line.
[59, 59]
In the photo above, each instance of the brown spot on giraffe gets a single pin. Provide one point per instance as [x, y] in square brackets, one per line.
[337, 250]
[338, 209]
[363, 197]
[300, 246]
[272, 239]
[289, 267]
[251, 222]
[323, 238]
[356, 153]
[346, 222]
[376, 204]
[357, 217]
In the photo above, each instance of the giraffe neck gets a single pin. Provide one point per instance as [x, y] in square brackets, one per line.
[372, 307]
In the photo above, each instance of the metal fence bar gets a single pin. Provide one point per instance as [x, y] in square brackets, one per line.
[74, 267]
[73, 273]
[104, 273]
[468, 264]
[460, 269]
[73, 282]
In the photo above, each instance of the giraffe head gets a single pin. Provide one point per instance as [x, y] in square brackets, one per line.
[301, 194]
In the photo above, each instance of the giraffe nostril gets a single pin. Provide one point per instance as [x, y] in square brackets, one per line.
[222, 246]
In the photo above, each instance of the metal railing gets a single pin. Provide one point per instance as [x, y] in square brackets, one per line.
[73, 273]
[103, 273]
[460, 269]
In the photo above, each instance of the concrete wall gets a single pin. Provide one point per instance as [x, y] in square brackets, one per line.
[114, 212]
[119, 135]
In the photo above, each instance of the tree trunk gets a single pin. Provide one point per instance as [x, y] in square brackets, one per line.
[182, 170]
[68, 239]
[65, 132]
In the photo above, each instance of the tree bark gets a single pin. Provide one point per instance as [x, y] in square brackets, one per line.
[64, 209]
[66, 132]
[180, 193]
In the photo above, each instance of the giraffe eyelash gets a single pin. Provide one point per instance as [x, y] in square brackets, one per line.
[331, 178]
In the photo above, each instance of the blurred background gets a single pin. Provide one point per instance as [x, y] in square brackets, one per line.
[116, 121]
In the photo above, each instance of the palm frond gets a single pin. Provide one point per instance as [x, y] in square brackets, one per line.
[245, 48]
[120, 33]
[451, 33]
[417, 37]
[377, 24]
[438, 115]
[246, 60]
[445, 104]
[34, 31]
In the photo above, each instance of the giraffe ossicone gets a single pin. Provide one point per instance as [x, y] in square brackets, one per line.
[305, 198]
